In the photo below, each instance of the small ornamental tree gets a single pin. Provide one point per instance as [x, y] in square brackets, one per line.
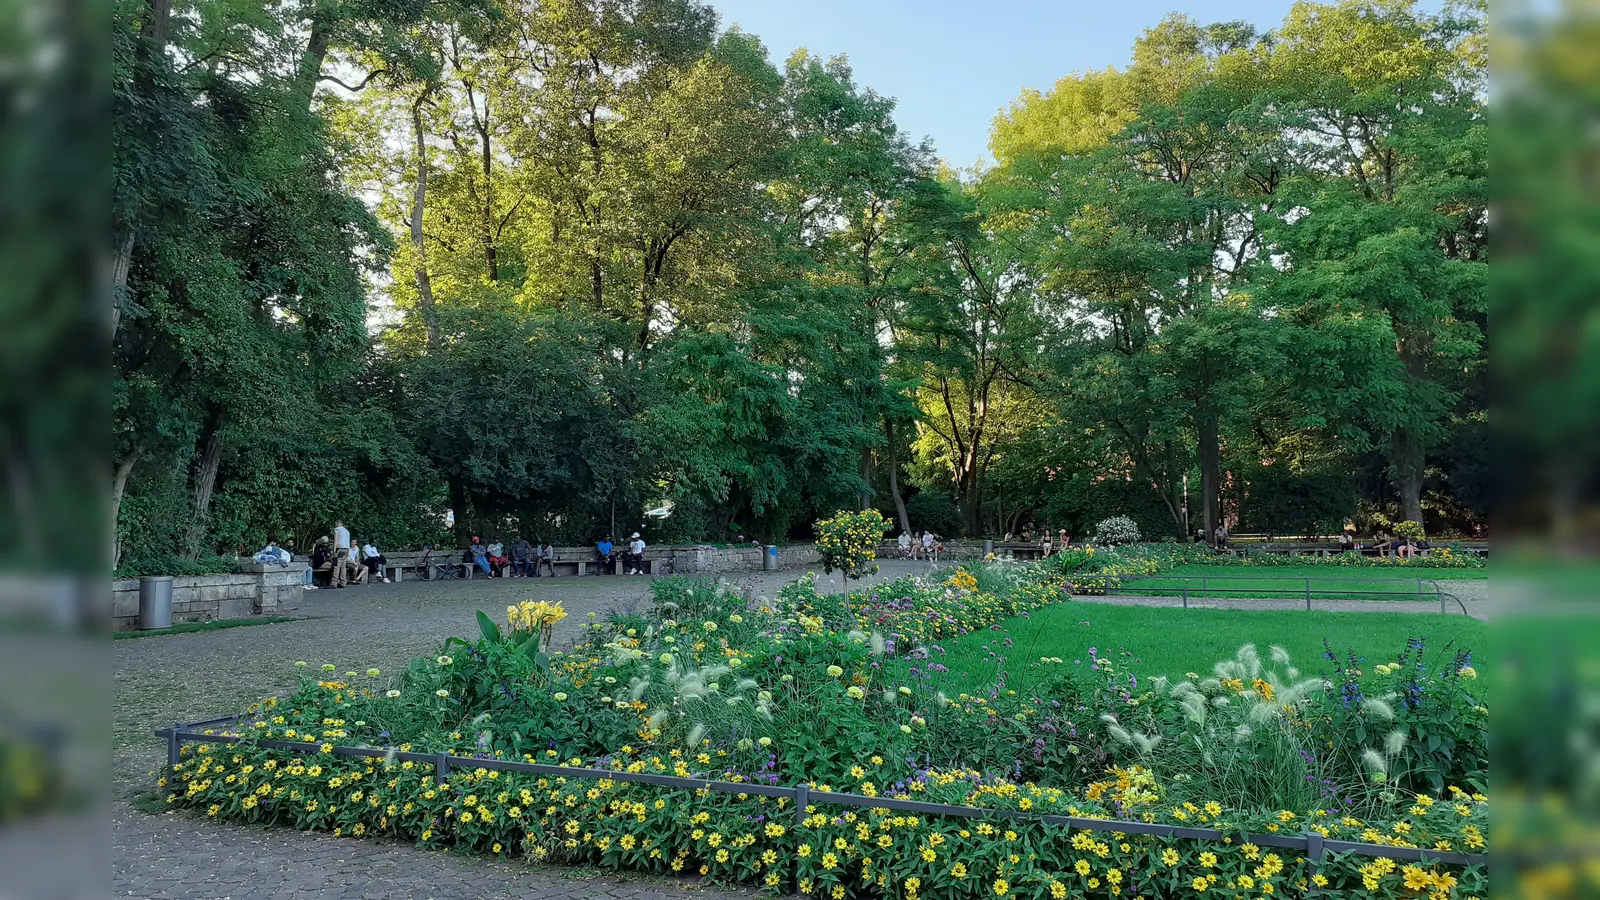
[848, 541]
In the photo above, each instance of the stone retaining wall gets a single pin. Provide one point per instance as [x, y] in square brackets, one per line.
[256, 590]
[697, 561]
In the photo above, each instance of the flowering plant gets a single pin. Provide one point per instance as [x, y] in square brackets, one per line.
[848, 541]
[1116, 530]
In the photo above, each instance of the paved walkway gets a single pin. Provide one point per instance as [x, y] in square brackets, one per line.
[180, 856]
[162, 680]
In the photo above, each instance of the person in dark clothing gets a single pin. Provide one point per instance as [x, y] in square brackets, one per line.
[521, 558]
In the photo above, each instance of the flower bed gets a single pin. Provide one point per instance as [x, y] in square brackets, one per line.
[846, 692]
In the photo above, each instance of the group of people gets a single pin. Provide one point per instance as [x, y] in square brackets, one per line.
[926, 546]
[523, 559]
[605, 554]
[1385, 544]
[347, 560]
[1048, 544]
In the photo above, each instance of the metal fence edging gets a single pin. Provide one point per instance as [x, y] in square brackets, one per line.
[804, 797]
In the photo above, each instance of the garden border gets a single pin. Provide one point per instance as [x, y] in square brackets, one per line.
[1314, 845]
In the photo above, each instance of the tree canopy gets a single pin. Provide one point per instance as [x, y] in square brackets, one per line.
[545, 266]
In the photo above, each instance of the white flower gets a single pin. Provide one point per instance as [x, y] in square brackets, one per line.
[443, 660]
[441, 692]
[561, 696]
[392, 694]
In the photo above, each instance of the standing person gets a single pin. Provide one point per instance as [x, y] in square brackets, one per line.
[480, 556]
[521, 557]
[375, 561]
[341, 553]
[905, 544]
[547, 558]
[636, 546]
[605, 560]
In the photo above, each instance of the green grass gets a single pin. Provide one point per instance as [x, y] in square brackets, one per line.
[214, 625]
[1327, 582]
[1172, 642]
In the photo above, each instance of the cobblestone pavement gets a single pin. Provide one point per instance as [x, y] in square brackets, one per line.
[179, 856]
[162, 680]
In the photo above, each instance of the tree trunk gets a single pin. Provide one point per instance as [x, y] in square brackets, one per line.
[894, 477]
[967, 491]
[152, 51]
[1408, 466]
[867, 479]
[490, 255]
[119, 485]
[1210, 472]
[20, 477]
[311, 63]
[418, 243]
[205, 482]
[458, 506]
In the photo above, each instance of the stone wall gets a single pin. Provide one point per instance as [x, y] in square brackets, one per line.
[256, 590]
[707, 561]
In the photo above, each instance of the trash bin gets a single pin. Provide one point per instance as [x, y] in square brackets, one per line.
[155, 601]
[988, 548]
[769, 560]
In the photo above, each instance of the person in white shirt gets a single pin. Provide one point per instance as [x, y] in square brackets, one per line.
[375, 561]
[636, 547]
[905, 544]
[927, 545]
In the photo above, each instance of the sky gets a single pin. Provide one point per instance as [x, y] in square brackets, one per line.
[953, 66]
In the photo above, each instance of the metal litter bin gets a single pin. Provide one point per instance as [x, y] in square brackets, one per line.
[769, 559]
[155, 601]
[988, 549]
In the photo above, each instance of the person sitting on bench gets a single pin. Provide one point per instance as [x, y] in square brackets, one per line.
[547, 559]
[480, 556]
[605, 556]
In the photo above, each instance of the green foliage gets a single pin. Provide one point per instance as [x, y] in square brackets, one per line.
[1280, 502]
[176, 565]
[931, 512]
[848, 541]
[742, 291]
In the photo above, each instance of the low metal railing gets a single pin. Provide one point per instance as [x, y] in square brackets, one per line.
[1312, 844]
[1202, 585]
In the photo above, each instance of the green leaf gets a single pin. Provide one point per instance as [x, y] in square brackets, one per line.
[491, 631]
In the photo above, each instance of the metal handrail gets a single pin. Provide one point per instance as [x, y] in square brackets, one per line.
[1110, 582]
[804, 796]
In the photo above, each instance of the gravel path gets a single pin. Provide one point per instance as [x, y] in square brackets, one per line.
[183, 678]
[180, 856]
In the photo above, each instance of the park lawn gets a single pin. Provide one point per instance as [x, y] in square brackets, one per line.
[1162, 641]
[1327, 582]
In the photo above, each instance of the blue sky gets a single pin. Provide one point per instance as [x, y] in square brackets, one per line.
[952, 66]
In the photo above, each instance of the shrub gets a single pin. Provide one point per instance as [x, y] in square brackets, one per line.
[1116, 530]
[849, 541]
[176, 565]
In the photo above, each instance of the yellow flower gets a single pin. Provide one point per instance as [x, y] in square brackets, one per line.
[1001, 887]
[1200, 885]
